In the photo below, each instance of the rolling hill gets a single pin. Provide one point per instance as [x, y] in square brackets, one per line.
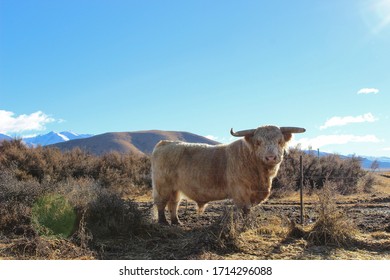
[137, 143]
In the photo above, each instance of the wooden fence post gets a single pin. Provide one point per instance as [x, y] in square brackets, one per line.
[301, 187]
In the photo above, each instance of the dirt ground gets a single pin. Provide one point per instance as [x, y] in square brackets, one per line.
[197, 237]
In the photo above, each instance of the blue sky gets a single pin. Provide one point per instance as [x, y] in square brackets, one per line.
[199, 66]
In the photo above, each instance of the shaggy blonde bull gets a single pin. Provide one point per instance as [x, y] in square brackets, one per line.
[242, 171]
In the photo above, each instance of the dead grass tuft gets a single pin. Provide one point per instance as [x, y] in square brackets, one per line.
[332, 226]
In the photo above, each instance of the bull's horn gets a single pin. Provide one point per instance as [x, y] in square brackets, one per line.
[242, 132]
[293, 129]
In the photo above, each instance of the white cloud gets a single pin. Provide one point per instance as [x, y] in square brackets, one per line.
[368, 91]
[325, 140]
[341, 121]
[221, 139]
[9, 123]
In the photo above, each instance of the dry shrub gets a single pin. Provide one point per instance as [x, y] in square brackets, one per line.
[332, 226]
[367, 183]
[75, 164]
[109, 215]
[16, 199]
[123, 173]
[346, 173]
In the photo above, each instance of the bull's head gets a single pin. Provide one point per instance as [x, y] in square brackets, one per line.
[268, 142]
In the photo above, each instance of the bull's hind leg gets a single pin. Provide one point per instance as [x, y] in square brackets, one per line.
[160, 202]
[173, 204]
[201, 207]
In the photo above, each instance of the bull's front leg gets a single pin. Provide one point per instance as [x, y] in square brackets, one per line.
[251, 198]
[243, 206]
[260, 196]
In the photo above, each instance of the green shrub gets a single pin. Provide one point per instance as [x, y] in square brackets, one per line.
[52, 214]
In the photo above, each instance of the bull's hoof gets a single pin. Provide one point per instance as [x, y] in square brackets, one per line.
[246, 211]
[176, 223]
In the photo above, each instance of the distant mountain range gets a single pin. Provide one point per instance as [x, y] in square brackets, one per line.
[141, 143]
[384, 162]
[137, 143]
[4, 137]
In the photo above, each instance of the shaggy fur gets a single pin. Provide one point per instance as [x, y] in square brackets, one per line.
[242, 171]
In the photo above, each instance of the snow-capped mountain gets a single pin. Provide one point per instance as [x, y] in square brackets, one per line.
[53, 138]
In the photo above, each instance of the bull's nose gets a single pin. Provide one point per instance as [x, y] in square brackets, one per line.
[271, 158]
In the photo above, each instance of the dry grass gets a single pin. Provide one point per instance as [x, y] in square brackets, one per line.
[27, 248]
[382, 182]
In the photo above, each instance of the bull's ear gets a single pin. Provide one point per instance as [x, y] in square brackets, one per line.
[287, 136]
[288, 130]
[248, 138]
[249, 141]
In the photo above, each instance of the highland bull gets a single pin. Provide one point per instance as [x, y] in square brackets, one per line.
[242, 170]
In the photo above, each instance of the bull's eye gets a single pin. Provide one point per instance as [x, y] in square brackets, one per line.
[280, 142]
[258, 143]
